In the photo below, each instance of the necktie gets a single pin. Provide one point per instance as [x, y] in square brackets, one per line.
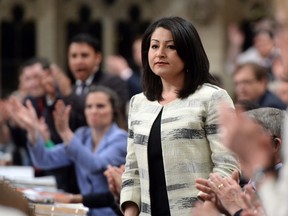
[81, 89]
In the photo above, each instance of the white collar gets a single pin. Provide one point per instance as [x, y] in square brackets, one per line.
[88, 81]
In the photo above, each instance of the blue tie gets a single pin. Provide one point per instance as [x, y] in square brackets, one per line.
[83, 88]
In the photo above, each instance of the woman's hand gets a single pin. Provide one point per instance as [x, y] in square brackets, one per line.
[207, 193]
[130, 209]
[4, 114]
[224, 193]
[113, 175]
[44, 130]
[228, 192]
[24, 117]
[61, 121]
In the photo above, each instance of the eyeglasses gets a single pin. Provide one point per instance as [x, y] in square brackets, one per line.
[245, 82]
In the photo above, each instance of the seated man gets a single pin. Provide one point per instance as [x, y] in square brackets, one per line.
[227, 191]
[251, 84]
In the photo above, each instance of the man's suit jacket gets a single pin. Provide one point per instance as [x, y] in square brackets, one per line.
[113, 82]
[271, 100]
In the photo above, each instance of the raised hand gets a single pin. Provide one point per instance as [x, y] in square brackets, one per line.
[24, 117]
[62, 80]
[235, 36]
[44, 130]
[4, 114]
[113, 175]
[61, 121]
[5, 136]
[116, 65]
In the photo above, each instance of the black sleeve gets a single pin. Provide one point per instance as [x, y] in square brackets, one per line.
[118, 85]
[20, 155]
[99, 200]
[77, 117]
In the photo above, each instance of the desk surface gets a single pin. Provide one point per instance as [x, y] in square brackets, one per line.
[58, 209]
[46, 203]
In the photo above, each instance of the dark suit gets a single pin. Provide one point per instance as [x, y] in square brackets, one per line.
[113, 82]
[271, 100]
[134, 84]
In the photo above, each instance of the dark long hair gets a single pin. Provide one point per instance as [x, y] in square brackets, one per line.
[189, 48]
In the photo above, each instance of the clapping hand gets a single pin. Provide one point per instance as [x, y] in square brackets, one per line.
[61, 120]
[24, 117]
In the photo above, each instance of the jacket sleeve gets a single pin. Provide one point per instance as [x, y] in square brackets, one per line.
[113, 153]
[225, 162]
[130, 178]
[47, 158]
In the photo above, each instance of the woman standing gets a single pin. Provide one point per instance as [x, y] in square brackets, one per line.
[173, 137]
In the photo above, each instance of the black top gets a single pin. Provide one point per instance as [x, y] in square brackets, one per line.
[99, 200]
[158, 190]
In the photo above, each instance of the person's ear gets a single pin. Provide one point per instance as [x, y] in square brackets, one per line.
[98, 57]
[277, 143]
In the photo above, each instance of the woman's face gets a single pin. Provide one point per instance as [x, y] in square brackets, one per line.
[163, 58]
[98, 110]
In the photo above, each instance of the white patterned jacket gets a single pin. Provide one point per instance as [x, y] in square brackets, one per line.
[190, 145]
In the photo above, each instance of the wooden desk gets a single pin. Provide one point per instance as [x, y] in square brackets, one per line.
[58, 209]
[45, 203]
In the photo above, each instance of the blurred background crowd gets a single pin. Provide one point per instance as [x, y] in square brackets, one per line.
[39, 28]
[56, 49]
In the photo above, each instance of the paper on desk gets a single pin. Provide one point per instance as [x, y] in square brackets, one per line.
[24, 176]
[48, 181]
[71, 205]
[16, 172]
